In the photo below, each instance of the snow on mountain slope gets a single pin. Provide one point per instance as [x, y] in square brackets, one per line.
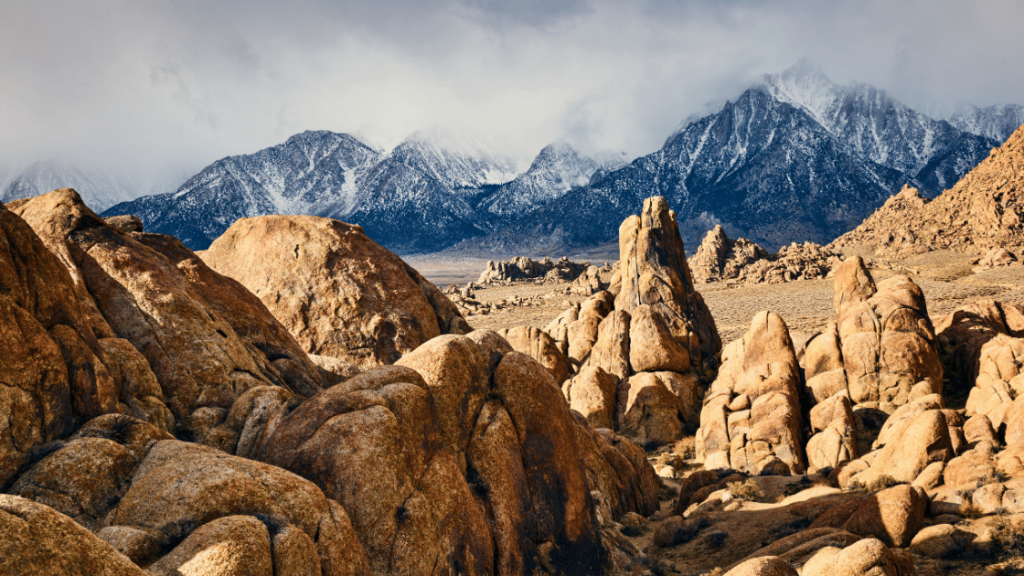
[557, 169]
[995, 122]
[454, 159]
[875, 126]
[98, 190]
[311, 173]
[763, 168]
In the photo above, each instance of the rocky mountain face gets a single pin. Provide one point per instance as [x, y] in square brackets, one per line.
[984, 210]
[794, 158]
[556, 170]
[760, 167]
[996, 122]
[432, 190]
[99, 190]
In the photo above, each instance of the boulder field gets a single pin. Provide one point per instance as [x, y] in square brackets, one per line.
[298, 400]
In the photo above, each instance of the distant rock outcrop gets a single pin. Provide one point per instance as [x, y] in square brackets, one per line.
[983, 210]
[742, 262]
[524, 268]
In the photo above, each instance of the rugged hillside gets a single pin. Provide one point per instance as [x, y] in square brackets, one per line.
[984, 210]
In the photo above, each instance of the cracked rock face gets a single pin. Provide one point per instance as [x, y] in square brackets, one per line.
[337, 292]
[751, 419]
[654, 272]
[181, 316]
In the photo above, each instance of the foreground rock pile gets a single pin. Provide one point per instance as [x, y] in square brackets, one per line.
[983, 210]
[161, 418]
[740, 261]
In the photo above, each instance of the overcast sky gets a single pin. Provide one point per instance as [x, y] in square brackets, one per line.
[151, 86]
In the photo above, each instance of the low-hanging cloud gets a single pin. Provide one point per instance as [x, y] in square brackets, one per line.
[146, 88]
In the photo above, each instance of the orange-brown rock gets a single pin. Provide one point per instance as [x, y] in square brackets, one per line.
[226, 546]
[764, 566]
[202, 365]
[85, 477]
[834, 434]
[654, 272]
[339, 293]
[593, 394]
[867, 556]
[886, 340]
[52, 374]
[661, 406]
[964, 332]
[751, 419]
[180, 487]
[742, 262]
[893, 515]
[984, 209]
[1000, 380]
[542, 347]
[36, 540]
[249, 318]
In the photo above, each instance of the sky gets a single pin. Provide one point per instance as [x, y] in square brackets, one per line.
[155, 89]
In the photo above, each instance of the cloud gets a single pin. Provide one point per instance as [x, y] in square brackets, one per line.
[150, 87]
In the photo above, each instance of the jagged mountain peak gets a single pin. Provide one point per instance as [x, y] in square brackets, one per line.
[456, 159]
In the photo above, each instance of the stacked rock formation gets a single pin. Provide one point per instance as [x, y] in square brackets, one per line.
[751, 418]
[525, 268]
[984, 210]
[162, 417]
[641, 350]
[742, 262]
[880, 354]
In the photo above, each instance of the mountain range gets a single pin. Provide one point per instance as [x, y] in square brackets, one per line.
[795, 157]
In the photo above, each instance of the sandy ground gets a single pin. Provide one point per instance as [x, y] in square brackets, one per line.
[805, 305]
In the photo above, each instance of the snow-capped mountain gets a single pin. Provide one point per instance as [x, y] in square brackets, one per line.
[996, 122]
[99, 190]
[794, 158]
[763, 168]
[406, 200]
[875, 126]
[455, 160]
[556, 170]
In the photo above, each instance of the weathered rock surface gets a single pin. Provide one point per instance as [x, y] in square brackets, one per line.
[867, 556]
[595, 279]
[334, 289]
[1000, 381]
[201, 363]
[893, 515]
[654, 272]
[883, 341]
[751, 419]
[997, 258]
[52, 377]
[963, 333]
[37, 540]
[542, 347]
[985, 209]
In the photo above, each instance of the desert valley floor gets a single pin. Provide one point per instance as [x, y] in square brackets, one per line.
[806, 305]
